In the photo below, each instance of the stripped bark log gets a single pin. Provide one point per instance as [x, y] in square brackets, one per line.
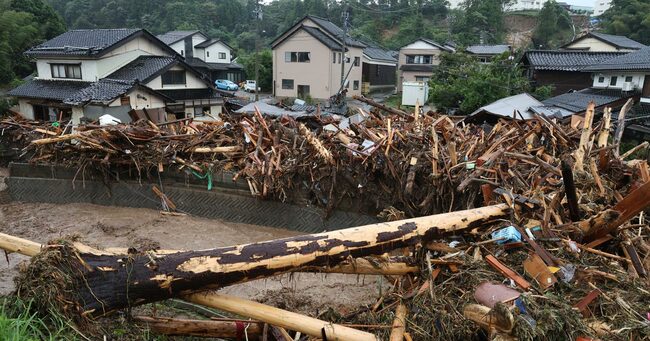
[399, 323]
[618, 135]
[381, 106]
[103, 283]
[236, 330]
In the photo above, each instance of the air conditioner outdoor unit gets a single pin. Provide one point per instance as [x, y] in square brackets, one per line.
[628, 86]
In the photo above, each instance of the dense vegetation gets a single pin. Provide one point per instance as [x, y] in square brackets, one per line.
[554, 27]
[630, 18]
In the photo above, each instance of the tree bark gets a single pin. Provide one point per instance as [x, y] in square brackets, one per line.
[103, 283]
[235, 330]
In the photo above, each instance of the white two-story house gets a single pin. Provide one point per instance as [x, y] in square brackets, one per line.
[213, 57]
[88, 73]
[628, 73]
[417, 60]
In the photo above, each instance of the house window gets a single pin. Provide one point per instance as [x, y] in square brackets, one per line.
[72, 71]
[613, 81]
[628, 79]
[339, 58]
[422, 79]
[222, 55]
[303, 91]
[182, 53]
[297, 57]
[355, 85]
[419, 59]
[287, 84]
[357, 61]
[601, 79]
[207, 53]
[173, 77]
[333, 57]
[347, 60]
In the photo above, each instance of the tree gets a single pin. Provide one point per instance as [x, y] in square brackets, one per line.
[630, 18]
[266, 67]
[460, 81]
[479, 21]
[554, 26]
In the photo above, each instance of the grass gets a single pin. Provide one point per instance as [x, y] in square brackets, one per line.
[18, 322]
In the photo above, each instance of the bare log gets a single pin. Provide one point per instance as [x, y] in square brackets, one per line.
[570, 191]
[103, 283]
[279, 317]
[381, 106]
[236, 330]
[399, 323]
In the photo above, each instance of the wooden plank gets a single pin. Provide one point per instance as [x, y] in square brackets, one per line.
[618, 135]
[537, 269]
[585, 138]
[504, 270]
[584, 303]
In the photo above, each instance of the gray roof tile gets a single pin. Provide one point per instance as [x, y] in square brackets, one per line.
[335, 31]
[103, 91]
[377, 53]
[57, 90]
[211, 42]
[637, 60]
[566, 60]
[578, 101]
[488, 49]
[174, 36]
[143, 68]
[620, 41]
[81, 42]
[322, 37]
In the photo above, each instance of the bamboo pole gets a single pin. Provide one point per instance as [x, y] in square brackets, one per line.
[399, 324]
[279, 317]
[222, 149]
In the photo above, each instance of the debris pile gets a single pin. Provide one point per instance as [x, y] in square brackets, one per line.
[554, 246]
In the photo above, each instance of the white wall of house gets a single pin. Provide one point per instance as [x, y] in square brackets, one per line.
[593, 44]
[140, 99]
[179, 47]
[416, 48]
[198, 39]
[191, 81]
[617, 80]
[321, 75]
[88, 68]
[26, 109]
[211, 53]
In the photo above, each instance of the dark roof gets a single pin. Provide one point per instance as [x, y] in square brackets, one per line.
[335, 31]
[618, 41]
[82, 42]
[174, 36]
[211, 42]
[186, 94]
[417, 67]
[57, 90]
[637, 60]
[200, 64]
[377, 53]
[103, 91]
[322, 37]
[566, 60]
[578, 101]
[443, 47]
[488, 49]
[143, 68]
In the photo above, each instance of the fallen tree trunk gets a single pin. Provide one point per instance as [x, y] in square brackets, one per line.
[236, 330]
[381, 106]
[98, 283]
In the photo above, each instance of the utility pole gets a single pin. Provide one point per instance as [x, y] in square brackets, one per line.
[345, 16]
[258, 18]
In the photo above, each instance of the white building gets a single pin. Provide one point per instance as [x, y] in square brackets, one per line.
[518, 5]
[600, 6]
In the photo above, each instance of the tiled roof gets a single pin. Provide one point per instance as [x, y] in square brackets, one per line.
[57, 90]
[335, 31]
[377, 53]
[637, 60]
[578, 101]
[174, 36]
[185, 94]
[82, 42]
[103, 91]
[443, 47]
[143, 68]
[322, 37]
[566, 60]
[417, 67]
[620, 41]
[488, 49]
[211, 42]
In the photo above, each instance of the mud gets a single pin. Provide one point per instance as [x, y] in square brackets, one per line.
[103, 226]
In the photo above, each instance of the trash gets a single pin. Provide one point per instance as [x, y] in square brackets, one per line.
[106, 120]
[488, 294]
[508, 235]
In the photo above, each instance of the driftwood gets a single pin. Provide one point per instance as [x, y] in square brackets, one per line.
[103, 283]
[381, 106]
[236, 330]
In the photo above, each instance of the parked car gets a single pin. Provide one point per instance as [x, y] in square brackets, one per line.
[225, 84]
[250, 86]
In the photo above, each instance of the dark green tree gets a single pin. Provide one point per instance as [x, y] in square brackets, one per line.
[554, 26]
[480, 21]
[630, 18]
[462, 82]
[265, 67]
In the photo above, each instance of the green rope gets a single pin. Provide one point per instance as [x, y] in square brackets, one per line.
[208, 175]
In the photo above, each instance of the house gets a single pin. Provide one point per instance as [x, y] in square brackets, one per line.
[87, 73]
[213, 57]
[600, 6]
[562, 69]
[595, 41]
[418, 59]
[379, 69]
[485, 53]
[629, 73]
[309, 60]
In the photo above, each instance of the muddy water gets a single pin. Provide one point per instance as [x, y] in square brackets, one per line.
[103, 226]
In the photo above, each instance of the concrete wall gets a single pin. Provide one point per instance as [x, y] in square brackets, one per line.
[26, 109]
[322, 76]
[213, 52]
[593, 44]
[638, 80]
[179, 47]
[191, 81]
